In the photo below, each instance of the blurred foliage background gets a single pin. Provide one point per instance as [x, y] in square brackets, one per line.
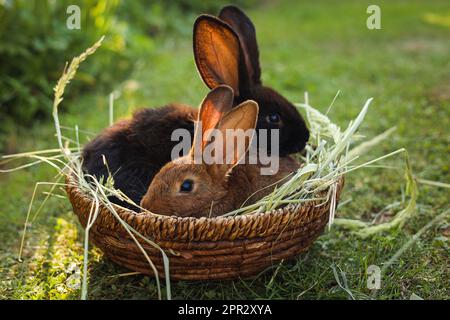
[35, 43]
[318, 46]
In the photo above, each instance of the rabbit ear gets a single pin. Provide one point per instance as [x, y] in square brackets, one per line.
[235, 143]
[246, 32]
[216, 52]
[216, 103]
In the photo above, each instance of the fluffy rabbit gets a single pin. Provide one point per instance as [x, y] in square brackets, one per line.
[135, 149]
[226, 52]
[186, 188]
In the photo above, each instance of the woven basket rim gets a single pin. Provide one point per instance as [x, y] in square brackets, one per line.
[70, 179]
[191, 228]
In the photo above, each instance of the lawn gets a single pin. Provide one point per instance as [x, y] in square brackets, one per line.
[316, 46]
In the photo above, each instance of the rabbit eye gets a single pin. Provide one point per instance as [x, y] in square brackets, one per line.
[187, 186]
[273, 118]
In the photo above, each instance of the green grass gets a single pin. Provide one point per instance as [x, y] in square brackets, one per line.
[312, 47]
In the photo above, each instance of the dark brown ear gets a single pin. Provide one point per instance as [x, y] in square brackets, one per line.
[246, 32]
[216, 52]
[215, 105]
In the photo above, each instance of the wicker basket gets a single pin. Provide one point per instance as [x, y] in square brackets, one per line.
[205, 248]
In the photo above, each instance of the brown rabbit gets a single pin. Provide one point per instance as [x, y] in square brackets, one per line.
[184, 188]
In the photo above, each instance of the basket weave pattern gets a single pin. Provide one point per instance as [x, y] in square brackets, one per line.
[204, 248]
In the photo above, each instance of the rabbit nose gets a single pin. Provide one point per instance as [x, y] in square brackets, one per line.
[147, 202]
[155, 205]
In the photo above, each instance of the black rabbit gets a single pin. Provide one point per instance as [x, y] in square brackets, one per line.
[135, 149]
[226, 52]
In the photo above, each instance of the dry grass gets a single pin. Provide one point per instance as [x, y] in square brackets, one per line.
[330, 154]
